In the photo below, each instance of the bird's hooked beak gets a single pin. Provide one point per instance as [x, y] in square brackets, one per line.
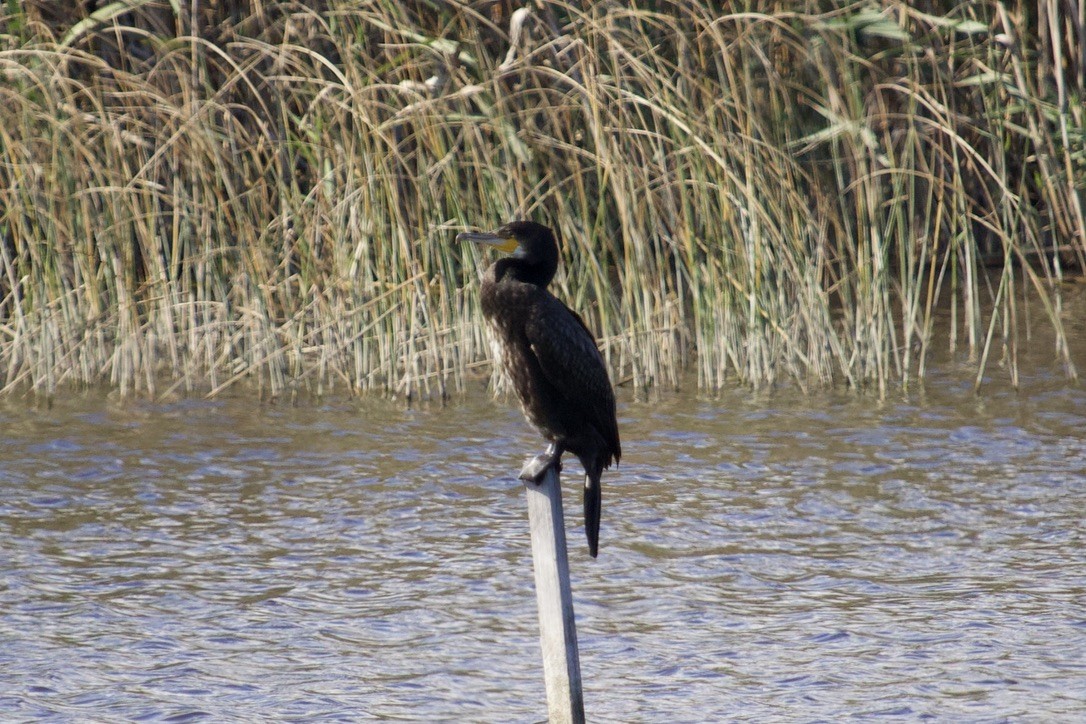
[507, 244]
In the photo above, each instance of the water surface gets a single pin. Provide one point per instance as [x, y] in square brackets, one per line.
[763, 558]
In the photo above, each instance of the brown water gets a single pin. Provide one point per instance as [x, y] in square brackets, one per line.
[764, 558]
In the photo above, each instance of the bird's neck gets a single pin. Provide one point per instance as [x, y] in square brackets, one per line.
[523, 271]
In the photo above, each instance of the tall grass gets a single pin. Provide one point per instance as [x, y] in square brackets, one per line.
[198, 195]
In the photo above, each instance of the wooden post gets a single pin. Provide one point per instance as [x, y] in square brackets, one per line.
[557, 629]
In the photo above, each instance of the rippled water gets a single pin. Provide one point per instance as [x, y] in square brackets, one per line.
[765, 558]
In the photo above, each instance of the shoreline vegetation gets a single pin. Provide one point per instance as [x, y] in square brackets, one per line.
[199, 194]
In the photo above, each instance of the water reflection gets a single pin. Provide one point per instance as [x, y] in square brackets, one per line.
[766, 558]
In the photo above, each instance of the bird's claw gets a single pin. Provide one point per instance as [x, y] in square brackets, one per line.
[536, 468]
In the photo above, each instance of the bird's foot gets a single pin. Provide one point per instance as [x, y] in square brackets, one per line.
[536, 468]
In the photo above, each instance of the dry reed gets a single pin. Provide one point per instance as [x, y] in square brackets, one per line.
[268, 193]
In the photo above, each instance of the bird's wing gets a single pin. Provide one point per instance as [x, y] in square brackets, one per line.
[570, 360]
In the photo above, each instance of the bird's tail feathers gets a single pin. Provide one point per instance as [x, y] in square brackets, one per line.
[593, 503]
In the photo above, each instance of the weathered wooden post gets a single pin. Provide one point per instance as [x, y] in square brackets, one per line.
[557, 628]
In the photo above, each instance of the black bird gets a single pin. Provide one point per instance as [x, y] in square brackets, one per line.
[552, 360]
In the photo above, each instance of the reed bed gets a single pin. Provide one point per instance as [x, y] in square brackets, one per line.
[199, 195]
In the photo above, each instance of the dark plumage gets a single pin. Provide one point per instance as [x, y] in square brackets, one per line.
[551, 358]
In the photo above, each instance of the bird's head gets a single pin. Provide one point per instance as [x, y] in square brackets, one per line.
[533, 246]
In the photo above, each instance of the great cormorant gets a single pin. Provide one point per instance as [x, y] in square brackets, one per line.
[552, 360]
